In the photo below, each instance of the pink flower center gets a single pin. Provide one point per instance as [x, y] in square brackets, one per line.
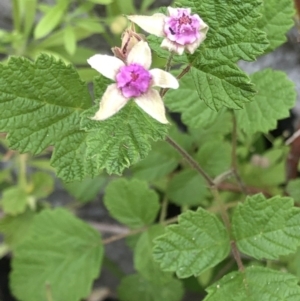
[133, 80]
[182, 27]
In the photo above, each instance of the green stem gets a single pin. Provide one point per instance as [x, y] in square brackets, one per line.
[234, 164]
[16, 15]
[163, 211]
[22, 170]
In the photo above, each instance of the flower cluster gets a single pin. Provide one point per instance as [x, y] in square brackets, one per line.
[129, 68]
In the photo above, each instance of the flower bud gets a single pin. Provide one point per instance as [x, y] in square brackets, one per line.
[129, 39]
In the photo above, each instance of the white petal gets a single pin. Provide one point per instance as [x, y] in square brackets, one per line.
[152, 24]
[153, 105]
[112, 102]
[107, 65]
[174, 11]
[191, 48]
[140, 54]
[163, 79]
[172, 47]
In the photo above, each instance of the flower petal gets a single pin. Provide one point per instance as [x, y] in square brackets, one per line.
[153, 105]
[107, 65]
[140, 54]
[152, 24]
[172, 47]
[112, 102]
[163, 79]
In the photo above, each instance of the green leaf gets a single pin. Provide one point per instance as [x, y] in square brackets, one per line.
[43, 184]
[136, 288]
[143, 258]
[214, 157]
[132, 203]
[293, 189]
[91, 24]
[187, 188]
[267, 228]
[87, 189]
[16, 228]
[222, 84]
[255, 283]
[215, 131]
[161, 161]
[40, 105]
[60, 247]
[14, 200]
[276, 21]
[50, 20]
[270, 104]
[123, 139]
[185, 100]
[232, 33]
[197, 243]
[70, 40]
[29, 15]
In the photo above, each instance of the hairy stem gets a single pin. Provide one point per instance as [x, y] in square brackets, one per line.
[163, 210]
[190, 160]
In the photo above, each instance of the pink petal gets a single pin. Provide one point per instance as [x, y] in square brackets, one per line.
[153, 105]
[107, 65]
[140, 54]
[172, 47]
[163, 79]
[112, 102]
[152, 24]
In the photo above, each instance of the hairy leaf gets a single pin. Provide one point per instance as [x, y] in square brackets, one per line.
[277, 19]
[276, 96]
[132, 203]
[267, 228]
[255, 283]
[197, 243]
[293, 189]
[59, 247]
[222, 84]
[136, 288]
[232, 33]
[40, 104]
[123, 139]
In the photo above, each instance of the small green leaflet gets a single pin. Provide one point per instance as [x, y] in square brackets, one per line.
[132, 203]
[14, 200]
[276, 96]
[187, 188]
[59, 247]
[123, 139]
[293, 189]
[197, 243]
[233, 34]
[277, 19]
[136, 288]
[143, 259]
[16, 228]
[267, 228]
[255, 283]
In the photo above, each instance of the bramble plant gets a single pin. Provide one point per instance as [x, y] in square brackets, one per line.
[237, 235]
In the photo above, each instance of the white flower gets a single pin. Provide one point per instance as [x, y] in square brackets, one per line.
[133, 80]
[181, 30]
